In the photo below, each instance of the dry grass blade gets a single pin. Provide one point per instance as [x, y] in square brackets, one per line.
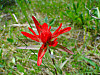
[34, 47]
[62, 48]
[20, 25]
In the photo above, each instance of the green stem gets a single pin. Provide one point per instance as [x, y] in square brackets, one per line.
[53, 62]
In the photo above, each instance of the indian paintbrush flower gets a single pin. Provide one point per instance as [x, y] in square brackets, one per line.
[46, 37]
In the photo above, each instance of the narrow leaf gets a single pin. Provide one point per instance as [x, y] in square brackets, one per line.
[90, 61]
[52, 22]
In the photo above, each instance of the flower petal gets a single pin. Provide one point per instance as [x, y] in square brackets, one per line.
[64, 30]
[35, 21]
[37, 24]
[45, 26]
[53, 43]
[61, 31]
[31, 30]
[45, 33]
[41, 53]
[39, 61]
[45, 36]
[57, 29]
[49, 28]
[33, 37]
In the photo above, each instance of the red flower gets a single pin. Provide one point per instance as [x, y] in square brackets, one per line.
[45, 36]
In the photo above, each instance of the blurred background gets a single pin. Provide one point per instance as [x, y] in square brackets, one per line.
[83, 16]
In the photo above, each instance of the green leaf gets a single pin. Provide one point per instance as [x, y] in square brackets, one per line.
[10, 40]
[12, 16]
[46, 19]
[20, 68]
[52, 22]
[0, 54]
[64, 13]
[58, 69]
[98, 13]
[9, 73]
[74, 7]
[61, 15]
[90, 61]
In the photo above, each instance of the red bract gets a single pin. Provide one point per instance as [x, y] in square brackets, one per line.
[45, 36]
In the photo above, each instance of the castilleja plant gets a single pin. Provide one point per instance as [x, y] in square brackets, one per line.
[46, 37]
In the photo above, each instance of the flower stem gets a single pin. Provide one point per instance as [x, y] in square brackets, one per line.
[53, 62]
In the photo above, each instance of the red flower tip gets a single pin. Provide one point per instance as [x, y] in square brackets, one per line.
[33, 37]
[31, 30]
[39, 61]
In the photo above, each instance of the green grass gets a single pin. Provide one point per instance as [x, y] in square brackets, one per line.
[83, 39]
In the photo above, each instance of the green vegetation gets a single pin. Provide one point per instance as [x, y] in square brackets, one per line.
[83, 39]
